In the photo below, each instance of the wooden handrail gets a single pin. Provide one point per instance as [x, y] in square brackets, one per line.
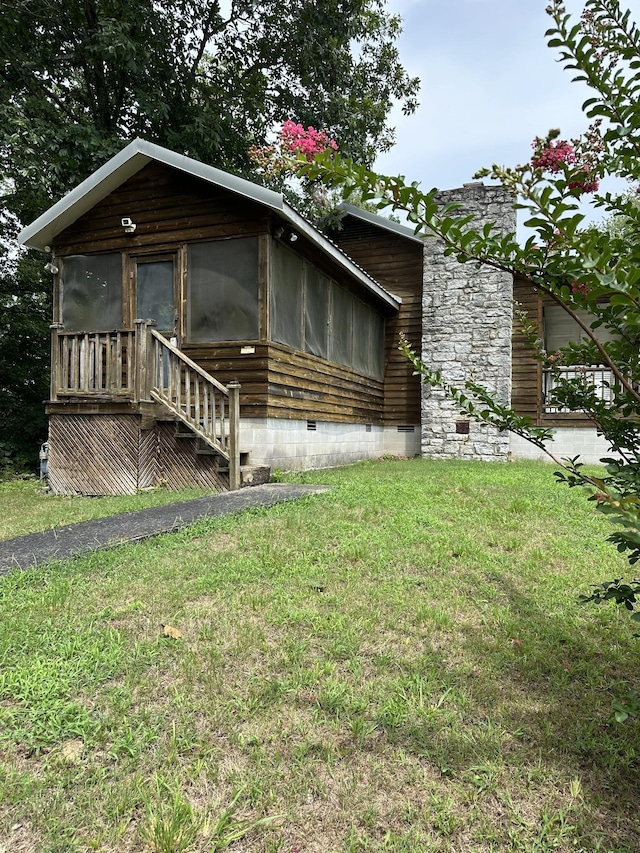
[97, 363]
[205, 405]
[187, 361]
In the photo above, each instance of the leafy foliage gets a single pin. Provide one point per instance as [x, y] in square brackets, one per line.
[82, 77]
[25, 314]
[596, 271]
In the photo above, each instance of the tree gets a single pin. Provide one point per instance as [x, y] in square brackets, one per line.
[80, 78]
[25, 315]
[592, 270]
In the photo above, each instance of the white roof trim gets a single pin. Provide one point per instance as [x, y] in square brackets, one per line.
[382, 222]
[135, 157]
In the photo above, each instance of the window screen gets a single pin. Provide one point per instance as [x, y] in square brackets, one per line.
[377, 345]
[92, 292]
[222, 286]
[286, 297]
[311, 311]
[362, 319]
[340, 347]
[154, 296]
[560, 329]
[316, 312]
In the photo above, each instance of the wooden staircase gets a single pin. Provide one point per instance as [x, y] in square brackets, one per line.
[210, 410]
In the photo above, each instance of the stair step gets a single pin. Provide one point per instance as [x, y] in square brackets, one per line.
[245, 455]
[183, 431]
[204, 449]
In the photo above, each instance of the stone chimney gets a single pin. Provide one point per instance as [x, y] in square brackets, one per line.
[466, 333]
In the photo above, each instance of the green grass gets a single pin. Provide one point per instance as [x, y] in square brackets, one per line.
[26, 508]
[397, 665]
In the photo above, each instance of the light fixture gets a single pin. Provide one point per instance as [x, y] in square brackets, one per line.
[52, 268]
[293, 237]
[278, 232]
[128, 225]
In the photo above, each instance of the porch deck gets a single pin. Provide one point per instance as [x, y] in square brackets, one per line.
[138, 372]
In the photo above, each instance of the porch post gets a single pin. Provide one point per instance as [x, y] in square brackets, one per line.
[234, 435]
[55, 361]
[144, 364]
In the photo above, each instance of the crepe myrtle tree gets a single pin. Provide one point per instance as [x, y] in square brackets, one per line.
[581, 270]
[278, 165]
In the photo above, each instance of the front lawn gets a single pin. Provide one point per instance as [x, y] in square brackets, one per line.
[398, 665]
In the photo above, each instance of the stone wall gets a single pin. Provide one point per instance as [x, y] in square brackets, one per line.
[466, 332]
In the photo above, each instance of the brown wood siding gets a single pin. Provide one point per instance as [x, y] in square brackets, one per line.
[526, 376]
[279, 382]
[396, 263]
[526, 370]
[169, 208]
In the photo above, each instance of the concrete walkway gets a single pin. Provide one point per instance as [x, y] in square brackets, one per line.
[75, 539]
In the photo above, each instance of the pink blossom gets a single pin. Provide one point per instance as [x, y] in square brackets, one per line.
[584, 185]
[307, 142]
[582, 288]
[553, 156]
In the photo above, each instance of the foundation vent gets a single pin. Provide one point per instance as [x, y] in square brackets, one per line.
[311, 426]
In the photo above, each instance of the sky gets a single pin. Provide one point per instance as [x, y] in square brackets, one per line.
[490, 85]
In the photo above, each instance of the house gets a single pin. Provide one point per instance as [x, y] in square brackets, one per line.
[243, 291]
[204, 332]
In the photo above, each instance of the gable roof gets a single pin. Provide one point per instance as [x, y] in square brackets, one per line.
[135, 157]
[382, 222]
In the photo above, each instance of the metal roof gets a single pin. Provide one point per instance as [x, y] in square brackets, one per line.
[382, 222]
[135, 157]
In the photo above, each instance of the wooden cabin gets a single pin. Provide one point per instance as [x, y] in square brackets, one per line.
[204, 331]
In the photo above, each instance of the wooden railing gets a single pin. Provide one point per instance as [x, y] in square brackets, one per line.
[92, 363]
[207, 407]
[601, 379]
[143, 365]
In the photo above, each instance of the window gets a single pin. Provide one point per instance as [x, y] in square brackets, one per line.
[312, 313]
[222, 287]
[341, 326]
[91, 292]
[286, 297]
[316, 312]
[561, 329]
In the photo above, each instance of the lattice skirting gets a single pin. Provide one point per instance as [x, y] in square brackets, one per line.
[112, 455]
